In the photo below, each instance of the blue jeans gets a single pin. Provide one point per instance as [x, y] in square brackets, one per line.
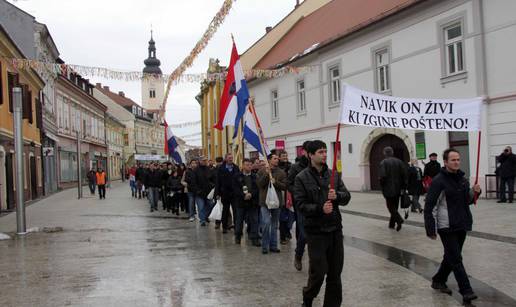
[300, 234]
[269, 223]
[132, 183]
[154, 198]
[201, 210]
[191, 204]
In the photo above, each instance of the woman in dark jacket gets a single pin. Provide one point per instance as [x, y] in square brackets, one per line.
[174, 188]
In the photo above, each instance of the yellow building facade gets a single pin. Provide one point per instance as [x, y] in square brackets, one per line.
[215, 143]
[31, 85]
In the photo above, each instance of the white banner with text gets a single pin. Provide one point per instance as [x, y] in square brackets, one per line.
[361, 108]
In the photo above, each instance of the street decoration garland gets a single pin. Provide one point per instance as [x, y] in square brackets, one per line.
[106, 73]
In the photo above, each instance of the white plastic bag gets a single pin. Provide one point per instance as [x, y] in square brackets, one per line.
[211, 194]
[216, 212]
[272, 200]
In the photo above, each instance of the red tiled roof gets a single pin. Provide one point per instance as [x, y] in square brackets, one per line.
[121, 100]
[329, 23]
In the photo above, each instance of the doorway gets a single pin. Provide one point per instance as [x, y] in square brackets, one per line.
[376, 156]
[9, 178]
[33, 178]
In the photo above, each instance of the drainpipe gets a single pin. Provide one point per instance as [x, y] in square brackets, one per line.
[21, 228]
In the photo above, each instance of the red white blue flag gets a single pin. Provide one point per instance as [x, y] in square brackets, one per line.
[235, 95]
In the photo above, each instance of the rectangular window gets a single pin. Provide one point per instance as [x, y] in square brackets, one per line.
[453, 43]
[152, 93]
[275, 106]
[66, 116]
[334, 85]
[301, 97]
[420, 145]
[382, 70]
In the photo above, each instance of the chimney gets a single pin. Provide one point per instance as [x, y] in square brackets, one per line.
[121, 94]
[98, 85]
[297, 3]
[268, 29]
[106, 88]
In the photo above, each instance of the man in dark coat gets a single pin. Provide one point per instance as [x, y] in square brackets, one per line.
[153, 184]
[432, 168]
[139, 176]
[447, 213]
[202, 184]
[415, 185]
[507, 172]
[246, 197]
[224, 189]
[91, 180]
[319, 204]
[286, 214]
[302, 163]
[393, 179]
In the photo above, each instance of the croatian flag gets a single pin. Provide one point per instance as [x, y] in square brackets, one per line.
[171, 145]
[252, 131]
[235, 95]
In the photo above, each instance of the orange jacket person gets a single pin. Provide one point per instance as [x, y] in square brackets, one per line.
[101, 183]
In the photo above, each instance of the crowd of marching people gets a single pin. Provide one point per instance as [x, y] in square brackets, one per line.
[269, 196]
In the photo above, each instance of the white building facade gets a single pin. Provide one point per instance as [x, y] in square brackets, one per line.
[433, 49]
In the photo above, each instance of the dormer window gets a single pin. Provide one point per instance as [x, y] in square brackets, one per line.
[144, 113]
[152, 93]
[140, 111]
[134, 109]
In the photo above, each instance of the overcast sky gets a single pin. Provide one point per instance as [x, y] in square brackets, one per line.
[115, 34]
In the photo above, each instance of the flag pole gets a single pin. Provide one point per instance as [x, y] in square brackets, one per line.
[334, 168]
[478, 164]
[260, 134]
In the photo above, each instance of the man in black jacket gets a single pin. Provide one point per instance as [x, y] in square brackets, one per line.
[224, 189]
[139, 176]
[451, 196]
[153, 184]
[393, 179]
[432, 168]
[203, 182]
[319, 204]
[246, 196]
[507, 172]
[302, 163]
[415, 185]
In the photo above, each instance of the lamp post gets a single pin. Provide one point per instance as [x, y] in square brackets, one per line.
[21, 228]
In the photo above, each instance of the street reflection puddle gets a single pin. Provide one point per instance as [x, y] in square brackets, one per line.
[426, 268]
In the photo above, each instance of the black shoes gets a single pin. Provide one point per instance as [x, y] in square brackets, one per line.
[298, 264]
[238, 241]
[467, 298]
[203, 224]
[307, 302]
[217, 226]
[501, 201]
[256, 243]
[275, 250]
[398, 228]
[442, 287]
[264, 251]
[283, 241]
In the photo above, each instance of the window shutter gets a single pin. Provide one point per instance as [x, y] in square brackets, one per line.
[25, 94]
[39, 115]
[30, 109]
[1, 86]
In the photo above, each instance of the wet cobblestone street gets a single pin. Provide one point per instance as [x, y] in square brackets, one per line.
[115, 253]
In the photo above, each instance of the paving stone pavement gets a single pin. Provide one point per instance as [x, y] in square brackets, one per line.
[114, 252]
